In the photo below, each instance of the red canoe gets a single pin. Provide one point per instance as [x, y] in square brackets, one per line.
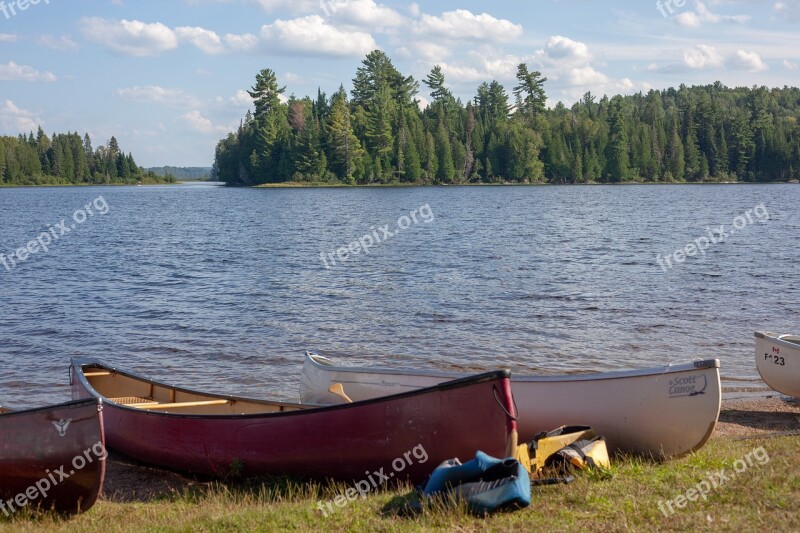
[52, 458]
[404, 436]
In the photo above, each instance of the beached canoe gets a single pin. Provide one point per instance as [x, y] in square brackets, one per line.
[778, 361]
[52, 457]
[402, 436]
[666, 411]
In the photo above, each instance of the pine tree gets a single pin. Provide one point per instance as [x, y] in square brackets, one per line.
[435, 81]
[379, 126]
[344, 146]
[377, 73]
[676, 164]
[530, 94]
[576, 171]
[265, 93]
[431, 158]
[444, 155]
[617, 161]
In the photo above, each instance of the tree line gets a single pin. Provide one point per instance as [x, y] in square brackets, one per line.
[68, 159]
[183, 173]
[378, 134]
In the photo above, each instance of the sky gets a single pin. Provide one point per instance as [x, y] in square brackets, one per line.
[168, 78]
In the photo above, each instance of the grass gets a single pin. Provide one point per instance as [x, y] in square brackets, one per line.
[762, 497]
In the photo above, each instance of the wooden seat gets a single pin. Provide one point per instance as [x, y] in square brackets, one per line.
[177, 405]
[133, 400]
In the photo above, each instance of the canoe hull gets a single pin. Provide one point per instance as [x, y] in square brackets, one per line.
[405, 435]
[778, 361]
[664, 412]
[39, 447]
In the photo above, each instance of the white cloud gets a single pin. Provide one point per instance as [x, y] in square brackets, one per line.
[206, 40]
[427, 51]
[703, 56]
[788, 9]
[414, 9]
[242, 43]
[8, 38]
[155, 94]
[703, 15]
[749, 61]
[129, 37]
[570, 62]
[13, 72]
[483, 67]
[688, 18]
[626, 85]
[295, 6]
[463, 25]
[16, 120]
[241, 99]
[789, 65]
[565, 50]
[586, 76]
[709, 57]
[62, 44]
[362, 13]
[200, 123]
[313, 36]
[141, 39]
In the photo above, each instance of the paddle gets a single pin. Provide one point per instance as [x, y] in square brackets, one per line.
[338, 390]
[512, 443]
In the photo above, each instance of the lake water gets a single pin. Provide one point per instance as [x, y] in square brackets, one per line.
[224, 289]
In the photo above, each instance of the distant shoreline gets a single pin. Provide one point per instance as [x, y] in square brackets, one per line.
[303, 185]
[56, 185]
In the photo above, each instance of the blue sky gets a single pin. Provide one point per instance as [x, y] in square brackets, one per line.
[167, 77]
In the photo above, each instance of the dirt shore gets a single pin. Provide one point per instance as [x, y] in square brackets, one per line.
[758, 417]
[752, 417]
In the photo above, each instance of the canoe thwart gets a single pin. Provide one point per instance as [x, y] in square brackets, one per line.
[132, 400]
[176, 405]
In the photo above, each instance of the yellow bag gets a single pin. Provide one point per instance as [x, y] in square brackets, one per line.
[582, 454]
[567, 445]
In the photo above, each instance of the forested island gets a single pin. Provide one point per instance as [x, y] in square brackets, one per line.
[378, 134]
[183, 173]
[69, 159]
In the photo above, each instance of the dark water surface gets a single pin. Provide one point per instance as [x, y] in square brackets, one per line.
[223, 289]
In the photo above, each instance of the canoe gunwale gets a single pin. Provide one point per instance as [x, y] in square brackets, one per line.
[313, 359]
[74, 404]
[775, 338]
[784, 379]
[77, 365]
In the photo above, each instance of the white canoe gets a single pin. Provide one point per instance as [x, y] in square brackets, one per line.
[778, 361]
[666, 411]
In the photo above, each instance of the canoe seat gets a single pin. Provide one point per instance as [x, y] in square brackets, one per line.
[96, 374]
[133, 400]
[176, 405]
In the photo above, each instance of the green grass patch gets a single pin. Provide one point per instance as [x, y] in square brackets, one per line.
[763, 496]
